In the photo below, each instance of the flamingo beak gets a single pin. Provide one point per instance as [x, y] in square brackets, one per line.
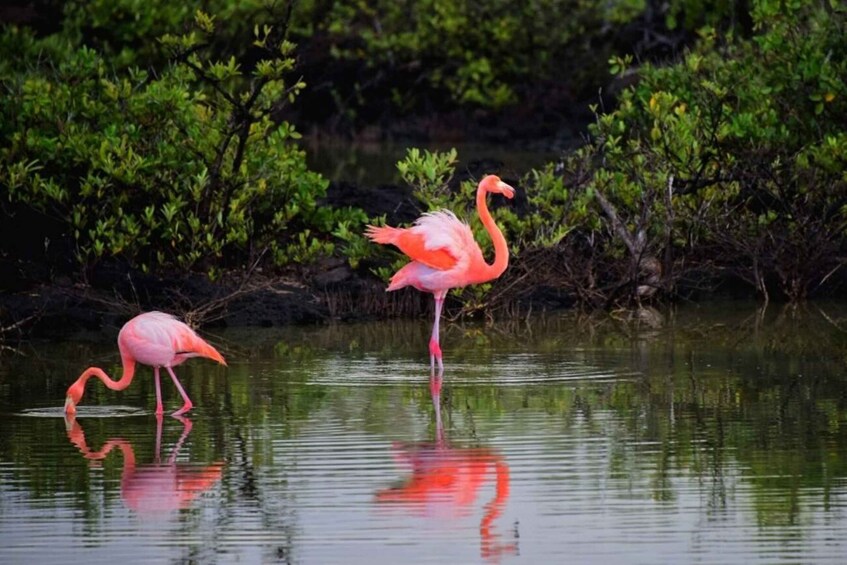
[70, 406]
[505, 189]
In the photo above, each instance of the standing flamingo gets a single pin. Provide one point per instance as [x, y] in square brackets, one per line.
[154, 339]
[444, 254]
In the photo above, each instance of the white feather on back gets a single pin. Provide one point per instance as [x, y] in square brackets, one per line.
[443, 230]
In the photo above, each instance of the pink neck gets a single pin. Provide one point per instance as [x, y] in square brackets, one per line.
[122, 383]
[501, 248]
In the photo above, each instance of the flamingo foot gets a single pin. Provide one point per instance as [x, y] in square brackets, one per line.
[435, 355]
[432, 361]
[185, 408]
[70, 407]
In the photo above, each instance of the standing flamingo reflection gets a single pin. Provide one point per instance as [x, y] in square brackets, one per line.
[451, 477]
[158, 487]
[154, 339]
[444, 254]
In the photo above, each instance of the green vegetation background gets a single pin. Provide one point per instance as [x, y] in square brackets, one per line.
[161, 137]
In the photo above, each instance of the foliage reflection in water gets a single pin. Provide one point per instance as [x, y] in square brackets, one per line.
[710, 434]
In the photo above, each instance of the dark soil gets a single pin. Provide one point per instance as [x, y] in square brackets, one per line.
[35, 302]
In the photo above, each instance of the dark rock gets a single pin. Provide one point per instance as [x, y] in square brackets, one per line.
[396, 202]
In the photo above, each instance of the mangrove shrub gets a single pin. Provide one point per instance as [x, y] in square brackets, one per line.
[733, 159]
[728, 164]
[180, 167]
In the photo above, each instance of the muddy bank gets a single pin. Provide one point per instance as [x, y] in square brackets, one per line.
[37, 303]
[55, 309]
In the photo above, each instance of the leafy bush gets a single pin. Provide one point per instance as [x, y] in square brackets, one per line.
[482, 53]
[729, 162]
[735, 155]
[487, 54]
[127, 32]
[182, 167]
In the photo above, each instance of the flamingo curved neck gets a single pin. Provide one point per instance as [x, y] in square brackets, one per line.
[120, 384]
[501, 248]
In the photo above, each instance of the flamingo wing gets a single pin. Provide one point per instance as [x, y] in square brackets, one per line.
[414, 245]
[438, 240]
[159, 339]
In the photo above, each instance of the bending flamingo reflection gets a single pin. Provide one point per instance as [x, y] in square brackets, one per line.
[451, 477]
[158, 487]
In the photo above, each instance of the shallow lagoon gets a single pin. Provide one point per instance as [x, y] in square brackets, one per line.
[714, 434]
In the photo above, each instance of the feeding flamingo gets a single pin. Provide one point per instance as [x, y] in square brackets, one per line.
[444, 254]
[154, 339]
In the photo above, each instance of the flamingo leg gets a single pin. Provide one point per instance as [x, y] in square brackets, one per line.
[434, 345]
[159, 409]
[188, 405]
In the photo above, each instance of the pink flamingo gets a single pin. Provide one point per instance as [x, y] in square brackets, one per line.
[154, 339]
[444, 254]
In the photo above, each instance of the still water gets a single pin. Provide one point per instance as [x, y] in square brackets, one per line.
[715, 434]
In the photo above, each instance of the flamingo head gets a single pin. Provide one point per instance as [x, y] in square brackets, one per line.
[73, 397]
[494, 185]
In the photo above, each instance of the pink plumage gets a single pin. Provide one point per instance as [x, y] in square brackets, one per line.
[156, 339]
[160, 340]
[445, 255]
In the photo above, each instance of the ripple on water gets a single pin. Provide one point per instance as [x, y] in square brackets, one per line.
[85, 411]
[509, 371]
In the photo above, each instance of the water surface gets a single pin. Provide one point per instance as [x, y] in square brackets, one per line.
[711, 435]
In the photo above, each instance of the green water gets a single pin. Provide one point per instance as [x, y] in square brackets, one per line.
[713, 434]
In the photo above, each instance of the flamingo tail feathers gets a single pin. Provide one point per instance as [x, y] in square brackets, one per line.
[383, 234]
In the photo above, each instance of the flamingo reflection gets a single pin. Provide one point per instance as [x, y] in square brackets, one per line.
[158, 487]
[450, 478]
